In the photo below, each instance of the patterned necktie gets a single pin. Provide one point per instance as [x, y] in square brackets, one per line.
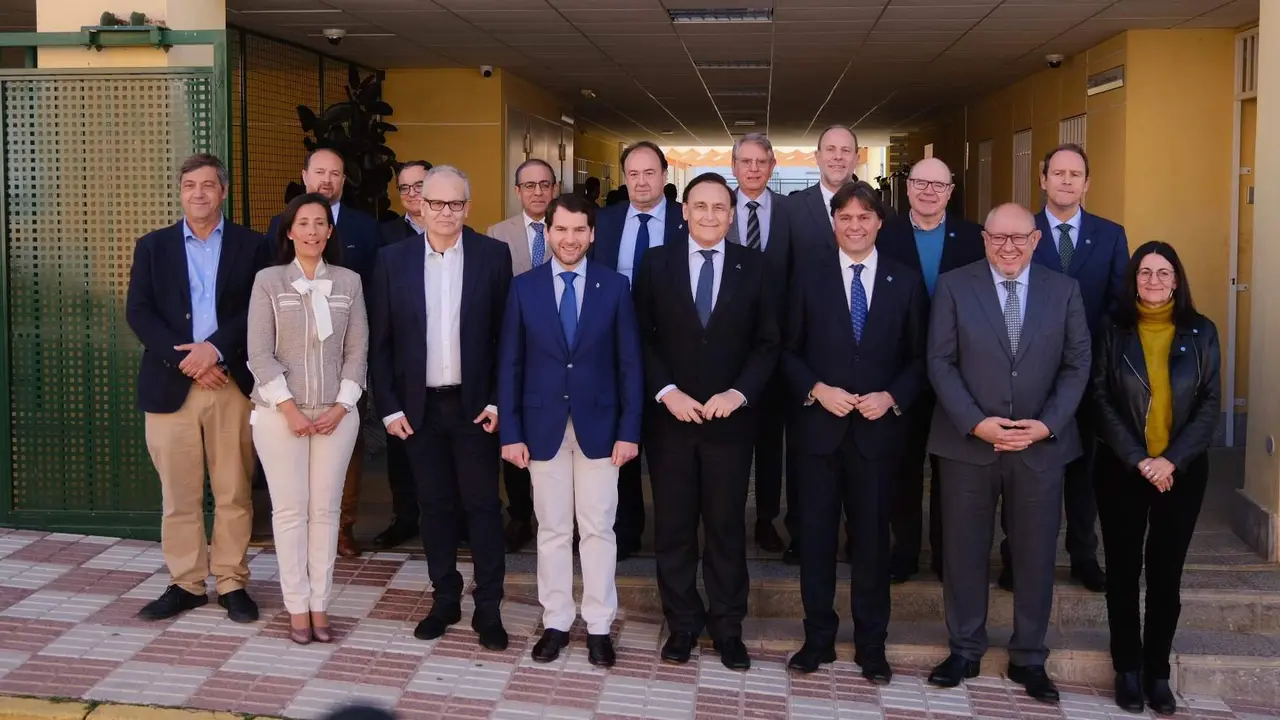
[539, 244]
[1065, 249]
[753, 226]
[1012, 316]
[857, 303]
[642, 243]
[569, 307]
[706, 279]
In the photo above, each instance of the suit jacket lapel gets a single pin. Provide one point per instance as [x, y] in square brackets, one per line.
[1084, 244]
[226, 258]
[984, 289]
[674, 232]
[520, 242]
[472, 268]
[832, 294]
[885, 292]
[678, 273]
[734, 236]
[546, 304]
[590, 307]
[414, 281]
[1032, 311]
[821, 216]
[730, 280]
[948, 249]
[1047, 250]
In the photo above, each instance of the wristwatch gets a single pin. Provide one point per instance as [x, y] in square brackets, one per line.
[348, 407]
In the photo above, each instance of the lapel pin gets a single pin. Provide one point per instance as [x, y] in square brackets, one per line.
[597, 286]
[737, 267]
[951, 234]
[1087, 241]
[889, 278]
[1182, 349]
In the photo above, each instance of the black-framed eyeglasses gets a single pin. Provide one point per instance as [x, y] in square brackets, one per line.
[531, 185]
[937, 185]
[454, 205]
[1017, 240]
[407, 189]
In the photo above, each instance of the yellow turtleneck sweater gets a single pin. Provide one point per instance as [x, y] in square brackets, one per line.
[1155, 332]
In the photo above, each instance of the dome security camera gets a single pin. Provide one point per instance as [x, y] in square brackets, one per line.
[1054, 60]
[486, 71]
[335, 35]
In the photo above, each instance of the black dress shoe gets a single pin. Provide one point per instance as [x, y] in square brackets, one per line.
[600, 651]
[811, 656]
[1090, 575]
[488, 625]
[1035, 680]
[173, 602]
[791, 555]
[937, 570]
[517, 535]
[848, 552]
[627, 549]
[953, 671]
[1006, 578]
[733, 654]
[239, 606]
[1160, 697]
[679, 647]
[396, 534]
[437, 621]
[767, 537]
[901, 572]
[548, 647]
[875, 666]
[1129, 692]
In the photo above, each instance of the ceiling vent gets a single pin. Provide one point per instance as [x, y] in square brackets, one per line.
[721, 15]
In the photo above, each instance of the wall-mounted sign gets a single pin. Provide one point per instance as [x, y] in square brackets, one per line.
[1105, 80]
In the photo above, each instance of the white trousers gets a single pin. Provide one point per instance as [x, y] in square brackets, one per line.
[305, 476]
[567, 486]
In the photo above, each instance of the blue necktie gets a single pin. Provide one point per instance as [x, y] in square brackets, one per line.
[706, 280]
[569, 307]
[857, 303]
[539, 244]
[642, 243]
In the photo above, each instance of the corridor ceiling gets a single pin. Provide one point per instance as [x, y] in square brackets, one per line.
[878, 65]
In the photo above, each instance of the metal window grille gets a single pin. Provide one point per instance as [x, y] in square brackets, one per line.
[1022, 168]
[1072, 130]
[1247, 64]
[984, 179]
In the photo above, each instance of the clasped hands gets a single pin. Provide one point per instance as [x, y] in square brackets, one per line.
[1011, 435]
[686, 409]
[1158, 472]
[840, 403]
[518, 454]
[303, 426]
[201, 365]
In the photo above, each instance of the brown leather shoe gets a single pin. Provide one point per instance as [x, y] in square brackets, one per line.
[347, 546]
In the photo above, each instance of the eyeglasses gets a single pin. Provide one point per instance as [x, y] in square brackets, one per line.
[531, 186]
[1163, 275]
[454, 205]
[407, 189]
[938, 186]
[1017, 240]
[753, 163]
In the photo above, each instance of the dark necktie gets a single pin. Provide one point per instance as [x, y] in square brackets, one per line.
[702, 299]
[1012, 314]
[1065, 249]
[539, 244]
[642, 243]
[753, 226]
[857, 303]
[569, 307]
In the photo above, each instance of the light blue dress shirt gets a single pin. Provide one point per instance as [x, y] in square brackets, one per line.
[657, 232]
[1054, 222]
[202, 271]
[763, 213]
[1023, 279]
[579, 281]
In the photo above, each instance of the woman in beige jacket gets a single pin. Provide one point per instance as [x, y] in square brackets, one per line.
[308, 350]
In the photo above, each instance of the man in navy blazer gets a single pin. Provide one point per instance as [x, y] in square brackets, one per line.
[1094, 251]
[624, 232]
[929, 241]
[570, 392]
[360, 235]
[188, 303]
[855, 357]
[435, 312]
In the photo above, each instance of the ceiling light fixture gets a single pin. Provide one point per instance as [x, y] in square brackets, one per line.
[722, 15]
[588, 93]
[741, 92]
[668, 132]
[732, 65]
[286, 12]
[744, 123]
[329, 34]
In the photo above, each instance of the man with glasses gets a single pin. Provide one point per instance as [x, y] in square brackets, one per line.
[435, 313]
[1008, 356]
[526, 235]
[1094, 251]
[760, 223]
[929, 241]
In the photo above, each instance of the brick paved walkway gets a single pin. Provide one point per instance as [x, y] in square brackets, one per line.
[67, 630]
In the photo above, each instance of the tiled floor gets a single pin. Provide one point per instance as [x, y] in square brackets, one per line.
[67, 630]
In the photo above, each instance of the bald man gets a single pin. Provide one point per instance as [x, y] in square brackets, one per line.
[930, 241]
[1008, 356]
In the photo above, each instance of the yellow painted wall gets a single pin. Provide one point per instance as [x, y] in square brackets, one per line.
[71, 15]
[1244, 267]
[601, 149]
[452, 116]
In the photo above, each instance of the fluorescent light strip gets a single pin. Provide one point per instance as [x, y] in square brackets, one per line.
[287, 12]
[741, 92]
[722, 15]
[732, 65]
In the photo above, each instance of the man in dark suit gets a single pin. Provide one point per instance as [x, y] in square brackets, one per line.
[325, 173]
[570, 391]
[929, 241]
[710, 336]
[1008, 356]
[435, 311]
[624, 234]
[760, 222]
[404, 502]
[1094, 251]
[188, 303]
[855, 358]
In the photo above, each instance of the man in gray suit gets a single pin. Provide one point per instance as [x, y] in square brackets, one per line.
[526, 235]
[1008, 356]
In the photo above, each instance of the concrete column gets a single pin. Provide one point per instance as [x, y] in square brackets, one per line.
[71, 15]
[1257, 506]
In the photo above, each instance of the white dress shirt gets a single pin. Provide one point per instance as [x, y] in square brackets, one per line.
[579, 282]
[763, 214]
[826, 202]
[1074, 222]
[868, 276]
[1023, 280]
[627, 247]
[529, 234]
[335, 208]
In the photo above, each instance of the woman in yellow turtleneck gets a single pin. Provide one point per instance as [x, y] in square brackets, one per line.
[1156, 392]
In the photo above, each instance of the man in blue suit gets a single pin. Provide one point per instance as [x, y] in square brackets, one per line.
[360, 235]
[570, 390]
[624, 232]
[1094, 251]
